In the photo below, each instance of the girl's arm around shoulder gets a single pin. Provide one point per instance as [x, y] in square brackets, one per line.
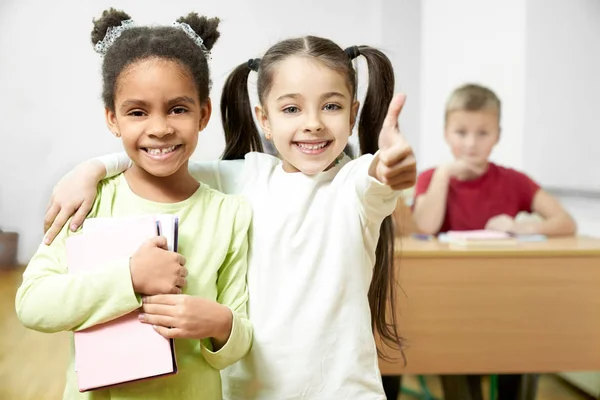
[50, 299]
[222, 175]
[233, 293]
[114, 163]
[74, 194]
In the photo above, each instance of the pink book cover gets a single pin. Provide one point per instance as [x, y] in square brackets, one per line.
[124, 349]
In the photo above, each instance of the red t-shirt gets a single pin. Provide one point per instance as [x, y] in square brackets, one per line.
[471, 204]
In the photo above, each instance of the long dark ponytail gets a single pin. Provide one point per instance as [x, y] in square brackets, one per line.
[382, 292]
[241, 134]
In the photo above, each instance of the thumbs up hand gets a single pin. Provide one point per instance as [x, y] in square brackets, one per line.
[395, 164]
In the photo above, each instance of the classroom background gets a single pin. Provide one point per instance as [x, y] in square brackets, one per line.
[540, 56]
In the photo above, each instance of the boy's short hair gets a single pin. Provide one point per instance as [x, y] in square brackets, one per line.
[472, 97]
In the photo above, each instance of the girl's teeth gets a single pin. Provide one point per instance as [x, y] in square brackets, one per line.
[312, 146]
[161, 151]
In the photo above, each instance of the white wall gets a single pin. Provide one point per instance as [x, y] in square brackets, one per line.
[563, 93]
[50, 81]
[541, 57]
[401, 41]
[543, 60]
[472, 41]
[399, 23]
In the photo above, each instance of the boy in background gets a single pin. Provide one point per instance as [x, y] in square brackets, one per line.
[473, 193]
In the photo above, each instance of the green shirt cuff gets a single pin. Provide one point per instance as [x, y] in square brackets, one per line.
[236, 347]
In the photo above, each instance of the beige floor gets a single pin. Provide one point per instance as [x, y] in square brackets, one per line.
[32, 364]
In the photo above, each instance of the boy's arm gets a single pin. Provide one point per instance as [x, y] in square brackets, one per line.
[430, 200]
[52, 300]
[556, 220]
[233, 293]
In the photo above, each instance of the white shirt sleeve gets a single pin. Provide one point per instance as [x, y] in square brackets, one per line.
[377, 200]
[115, 163]
[222, 175]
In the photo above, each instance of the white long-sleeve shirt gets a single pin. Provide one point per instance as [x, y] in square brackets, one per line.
[312, 252]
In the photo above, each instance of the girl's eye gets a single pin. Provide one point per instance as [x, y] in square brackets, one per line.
[332, 107]
[461, 132]
[291, 110]
[136, 113]
[179, 110]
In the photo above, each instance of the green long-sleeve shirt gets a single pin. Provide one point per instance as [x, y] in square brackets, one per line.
[213, 237]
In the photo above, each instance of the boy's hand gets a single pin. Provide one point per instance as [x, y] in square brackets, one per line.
[396, 165]
[502, 222]
[73, 194]
[464, 171]
[183, 316]
[156, 270]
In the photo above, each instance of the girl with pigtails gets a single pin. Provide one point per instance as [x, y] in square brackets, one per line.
[321, 275]
[156, 88]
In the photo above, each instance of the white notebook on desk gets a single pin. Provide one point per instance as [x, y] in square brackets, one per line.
[485, 238]
[477, 238]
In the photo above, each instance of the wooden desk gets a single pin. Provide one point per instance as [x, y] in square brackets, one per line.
[531, 308]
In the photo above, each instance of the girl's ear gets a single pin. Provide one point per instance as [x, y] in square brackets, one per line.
[353, 115]
[205, 113]
[111, 122]
[263, 121]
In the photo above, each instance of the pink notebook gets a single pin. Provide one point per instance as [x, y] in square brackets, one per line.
[124, 349]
